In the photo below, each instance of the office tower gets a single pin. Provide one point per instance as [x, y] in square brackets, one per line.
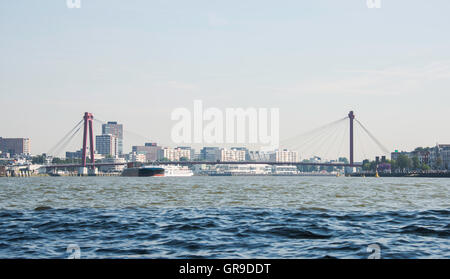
[112, 128]
[15, 146]
[107, 145]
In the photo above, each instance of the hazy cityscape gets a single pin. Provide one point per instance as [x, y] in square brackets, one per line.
[212, 137]
[17, 159]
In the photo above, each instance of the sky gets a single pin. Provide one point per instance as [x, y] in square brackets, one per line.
[136, 61]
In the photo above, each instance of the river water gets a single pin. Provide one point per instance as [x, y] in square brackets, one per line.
[224, 217]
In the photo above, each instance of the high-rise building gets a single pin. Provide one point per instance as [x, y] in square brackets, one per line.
[112, 128]
[211, 154]
[150, 150]
[15, 146]
[107, 145]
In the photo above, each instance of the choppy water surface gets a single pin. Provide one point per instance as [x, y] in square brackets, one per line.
[224, 217]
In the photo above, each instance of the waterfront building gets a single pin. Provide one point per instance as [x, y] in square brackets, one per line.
[259, 156]
[232, 155]
[245, 150]
[115, 129]
[191, 150]
[196, 156]
[137, 157]
[107, 145]
[285, 155]
[437, 157]
[15, 146]
[246, 169]
[203, 169]
[149, 149]
[211, 154]
[396, 154]
[284, 170]
[74, 155]
[442, 151]
[424, 155]
[99, 156]
[112, 168]
[174, 154]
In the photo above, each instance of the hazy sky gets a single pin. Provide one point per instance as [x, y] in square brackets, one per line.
[136, 61]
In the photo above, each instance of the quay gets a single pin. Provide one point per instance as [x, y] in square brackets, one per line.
[440, 174]
[27, 172]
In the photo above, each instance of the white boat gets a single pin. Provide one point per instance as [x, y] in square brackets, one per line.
[171, 170]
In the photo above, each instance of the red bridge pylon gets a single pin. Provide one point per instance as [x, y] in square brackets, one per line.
[88, 117]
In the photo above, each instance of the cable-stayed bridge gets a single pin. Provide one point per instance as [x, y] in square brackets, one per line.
[339, 133]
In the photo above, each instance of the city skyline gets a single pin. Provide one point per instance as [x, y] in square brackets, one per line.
[136, 63]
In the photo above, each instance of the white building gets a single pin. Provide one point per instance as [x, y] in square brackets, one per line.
[232, 155]
[137, 157]
[174, 154]
[285, 170]
[246, 169]
[285, 156]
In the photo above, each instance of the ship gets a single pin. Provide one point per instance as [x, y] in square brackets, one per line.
[143, 171]
[171, 170]
[134, 169]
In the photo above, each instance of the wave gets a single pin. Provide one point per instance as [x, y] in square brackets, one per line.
[223, 233]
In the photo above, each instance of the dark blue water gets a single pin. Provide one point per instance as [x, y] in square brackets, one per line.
[224, 217]
[234, 232]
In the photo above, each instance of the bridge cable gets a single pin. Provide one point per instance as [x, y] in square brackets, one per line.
[317, 135]
[343, 140]
[361, 143]
[337, 134]
[324, 142]
[302, 147]
[384, 149]
[294, 138]
[320, 138]
[64, 138]
[68, 140]
[311, 142]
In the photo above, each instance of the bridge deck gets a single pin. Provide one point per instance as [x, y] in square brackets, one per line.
[188, 163]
